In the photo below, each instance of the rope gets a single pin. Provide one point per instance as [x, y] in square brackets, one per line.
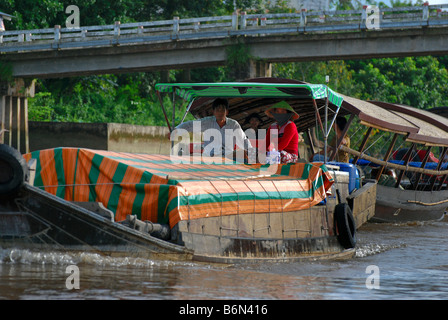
[428, 204]
[373, 143]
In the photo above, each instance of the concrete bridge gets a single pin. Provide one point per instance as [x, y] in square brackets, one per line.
[202, 42]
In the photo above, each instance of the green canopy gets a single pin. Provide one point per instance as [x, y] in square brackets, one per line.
[191, 91]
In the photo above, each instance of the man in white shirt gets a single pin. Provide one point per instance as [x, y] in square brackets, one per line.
[221, 134]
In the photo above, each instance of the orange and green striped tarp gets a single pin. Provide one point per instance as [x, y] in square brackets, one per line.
[158, 189]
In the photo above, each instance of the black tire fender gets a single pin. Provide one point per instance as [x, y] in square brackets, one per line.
[345, 225]
[13, 170]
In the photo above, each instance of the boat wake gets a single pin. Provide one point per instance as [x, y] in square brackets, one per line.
[25, 256]
[375, 248]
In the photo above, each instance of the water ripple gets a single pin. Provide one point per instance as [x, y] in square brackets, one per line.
[375, 248]
[25, 256]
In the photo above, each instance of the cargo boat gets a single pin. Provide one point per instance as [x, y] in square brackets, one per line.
[157, 206]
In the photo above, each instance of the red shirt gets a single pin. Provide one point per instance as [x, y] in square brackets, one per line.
[288, 137]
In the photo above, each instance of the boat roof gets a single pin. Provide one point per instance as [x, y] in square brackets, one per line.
[442, 111]
[258, 94]
[191, 91]
[255, 96]
[420, 126]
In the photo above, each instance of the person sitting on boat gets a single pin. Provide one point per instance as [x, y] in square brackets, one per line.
[339, 127]
[219, 126]
[254, 121]
[285, 130]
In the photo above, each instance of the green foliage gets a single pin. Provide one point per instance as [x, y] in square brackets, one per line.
[31, 14]
[238, 55]
[213, 74]
[341, 77]
[5, 71]
[110, 98]
[420, 82]
[41, 108]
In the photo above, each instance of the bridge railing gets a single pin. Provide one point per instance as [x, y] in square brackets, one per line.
[222, 26]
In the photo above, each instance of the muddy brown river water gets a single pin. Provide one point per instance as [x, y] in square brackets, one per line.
[392, 262]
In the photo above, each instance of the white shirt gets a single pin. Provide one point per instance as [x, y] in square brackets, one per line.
[218, 140]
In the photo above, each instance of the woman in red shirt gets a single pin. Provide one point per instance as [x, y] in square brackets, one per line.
[288, 137]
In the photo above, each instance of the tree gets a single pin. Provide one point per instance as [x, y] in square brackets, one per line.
[31, 14]
[130, 98]
[416, 81]
[340, 76]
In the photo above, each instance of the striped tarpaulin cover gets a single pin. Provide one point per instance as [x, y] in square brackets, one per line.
[160, 190]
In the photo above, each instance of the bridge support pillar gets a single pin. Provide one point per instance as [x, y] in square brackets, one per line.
[253, 69]
[260, 69]
[14, 113]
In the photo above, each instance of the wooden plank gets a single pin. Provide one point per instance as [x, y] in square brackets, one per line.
[393, 165]
[369, 124]
[275, 225]
[362, 203]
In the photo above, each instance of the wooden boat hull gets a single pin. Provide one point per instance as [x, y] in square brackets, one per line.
[401, 206]
[43, 221]
[35, 219]
[276, 236]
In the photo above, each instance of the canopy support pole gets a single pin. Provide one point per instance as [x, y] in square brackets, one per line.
[442, 182]
[310, 141]
[363, 143]
[407, 158]
[318, 116]
[439, 165]
[387, 155]
[174, 109]
[425, 160]
[164, 111]
[326, 130]
[442, 157]
[344, 132]
[186, 111]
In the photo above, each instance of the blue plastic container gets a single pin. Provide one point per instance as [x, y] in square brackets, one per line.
[354, 178]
